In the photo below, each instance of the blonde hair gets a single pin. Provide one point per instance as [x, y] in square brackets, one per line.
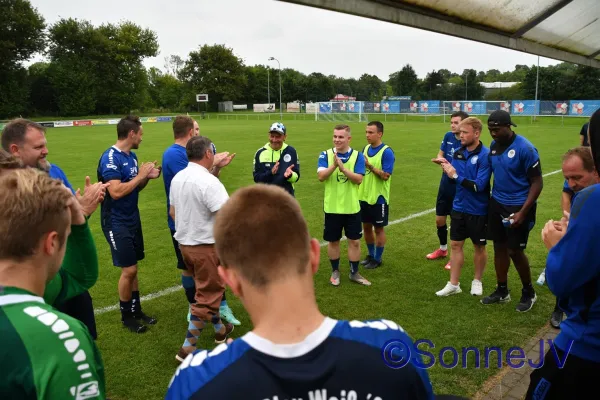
[31, 205]
[473, 122]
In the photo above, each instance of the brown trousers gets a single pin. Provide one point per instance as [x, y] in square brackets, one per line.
[202, 262]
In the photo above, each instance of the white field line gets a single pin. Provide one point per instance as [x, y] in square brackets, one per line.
[173, 289]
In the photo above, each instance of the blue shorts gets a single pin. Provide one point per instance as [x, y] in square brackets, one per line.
[126, 244]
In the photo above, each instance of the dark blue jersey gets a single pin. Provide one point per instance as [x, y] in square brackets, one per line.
[56, 173]
[117, 165]
[513, 166]
[473, 182]
[174, 160]
[449, 145]
[341, 359]
[573, 275]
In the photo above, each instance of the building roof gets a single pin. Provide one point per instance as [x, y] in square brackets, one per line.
[565, 30]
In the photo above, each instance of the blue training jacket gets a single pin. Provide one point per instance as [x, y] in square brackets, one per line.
[573, 275]
[473, 182]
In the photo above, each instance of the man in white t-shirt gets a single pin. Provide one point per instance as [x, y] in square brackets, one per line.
[195, 197]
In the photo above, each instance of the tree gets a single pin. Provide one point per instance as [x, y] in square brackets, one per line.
[215, 70]
[21, 36]
[404, 82]
[99, 69]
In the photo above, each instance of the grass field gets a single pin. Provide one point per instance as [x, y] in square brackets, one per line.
[403, 289]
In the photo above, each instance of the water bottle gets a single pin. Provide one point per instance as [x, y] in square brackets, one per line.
[542, 279]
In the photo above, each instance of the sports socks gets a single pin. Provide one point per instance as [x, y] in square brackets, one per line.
[190, 288]
[335, 264]
[442, 232]
[371, 247]
[353, 267]
[135, 300]
[378, 253]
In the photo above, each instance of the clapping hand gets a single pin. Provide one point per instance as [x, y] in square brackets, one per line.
[92, 196]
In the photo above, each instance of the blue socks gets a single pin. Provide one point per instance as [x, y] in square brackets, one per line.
[378, 253]
[335, 264]
[190, 288]
[371, 247]
[353, 267]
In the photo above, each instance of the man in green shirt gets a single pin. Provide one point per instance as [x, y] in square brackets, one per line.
[45, 354]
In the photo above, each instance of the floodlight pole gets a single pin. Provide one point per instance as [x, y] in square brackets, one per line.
[280, 105]
[268, 86]
[466, 83]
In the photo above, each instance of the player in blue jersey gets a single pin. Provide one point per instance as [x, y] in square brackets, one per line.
[374, 193]
[446, 190]
[174, 160]
[573, 275]
[518, 182]
[342, 170]
[277, 163]
[26, 140]
[120, 216]
[294, 351]
[470, 172]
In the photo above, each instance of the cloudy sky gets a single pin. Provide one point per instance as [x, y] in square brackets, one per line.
[304, 38]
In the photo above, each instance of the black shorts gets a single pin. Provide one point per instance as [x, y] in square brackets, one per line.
[335, 223]
[575, 380]
[515, 237]
[126, 244]
[463, 226]
[445, 198]
[376, 214]
[180, 263]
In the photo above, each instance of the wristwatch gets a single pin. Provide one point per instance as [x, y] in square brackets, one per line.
[455, 176]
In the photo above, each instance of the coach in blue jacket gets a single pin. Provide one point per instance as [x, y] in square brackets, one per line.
[573, 275]
[470, 171]
[277, 162]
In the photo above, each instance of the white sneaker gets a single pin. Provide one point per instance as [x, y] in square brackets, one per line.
[476, 288]
[449, 289]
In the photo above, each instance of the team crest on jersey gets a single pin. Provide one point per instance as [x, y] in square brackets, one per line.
[511, 153]
[342, 178]
[287, 158]
[474, 160]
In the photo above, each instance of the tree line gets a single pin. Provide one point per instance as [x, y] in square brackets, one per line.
[98, 70]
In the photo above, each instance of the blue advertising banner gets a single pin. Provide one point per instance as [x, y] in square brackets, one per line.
[554, 107]
[405, 106]
[429, 107]
[338, 107]
[325, 108]
[474, 107]
[369, 107]
[354, 106]
[502, 105]
[390, 106]
[164, 119]
[583, 108]
[525, 107]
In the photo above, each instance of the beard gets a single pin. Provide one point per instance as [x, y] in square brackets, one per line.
[43, 165]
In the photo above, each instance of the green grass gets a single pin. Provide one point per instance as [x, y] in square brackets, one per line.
[140, 366]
